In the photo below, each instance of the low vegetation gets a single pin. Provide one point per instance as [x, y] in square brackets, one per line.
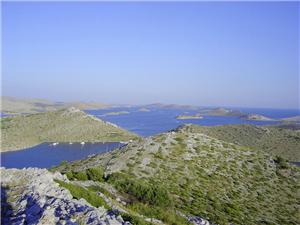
[198, 175]
[68, 125]
[79, 192]
[272, 139]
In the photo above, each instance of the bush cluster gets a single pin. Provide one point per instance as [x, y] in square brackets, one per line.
[95, 174]
[80, 192]
[150, 193]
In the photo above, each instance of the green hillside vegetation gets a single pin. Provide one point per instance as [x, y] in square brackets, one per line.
[273, 139]
[67, 125]
[186, 172]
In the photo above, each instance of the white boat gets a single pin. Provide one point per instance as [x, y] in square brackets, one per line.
[82, 143]
[70, 143]
[55, 143]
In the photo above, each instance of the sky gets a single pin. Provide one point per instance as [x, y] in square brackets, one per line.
[199, 53]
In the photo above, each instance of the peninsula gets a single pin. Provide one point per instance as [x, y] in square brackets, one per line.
[66, 125]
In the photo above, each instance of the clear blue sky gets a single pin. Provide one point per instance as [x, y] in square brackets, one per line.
[229, 54]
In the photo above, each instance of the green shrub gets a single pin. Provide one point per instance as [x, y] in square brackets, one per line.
[282, 163]
[80, 175]
[80, 192]
[167, 215]
[146, 192]
[70, 175]
[95, 174]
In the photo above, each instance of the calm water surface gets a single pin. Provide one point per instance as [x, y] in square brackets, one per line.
[45, 155]
[160, 120]
[143, 123]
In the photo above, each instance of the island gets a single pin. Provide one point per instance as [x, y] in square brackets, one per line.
[189, 117]
[116, 113]
[66, 125]
[17, 106]
[221, 112]
[294, 119]
[144, 110]
[257, 117]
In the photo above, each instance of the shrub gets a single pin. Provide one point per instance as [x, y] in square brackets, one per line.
[167, 215]
[282, 163]
[70, 175]
[146, 192]
[80, 192]
[80, 175]
[95, 174]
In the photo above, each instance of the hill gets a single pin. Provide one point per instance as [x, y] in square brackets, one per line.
[256, 117]
[12, 106]
[221, 112]
[273, 139]
[66, 125]
[292, 119]
[185, 176]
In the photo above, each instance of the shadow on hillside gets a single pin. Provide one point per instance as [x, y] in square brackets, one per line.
[31, 214]
[33, 211]
[6, 208]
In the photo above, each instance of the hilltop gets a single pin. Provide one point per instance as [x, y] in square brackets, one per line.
[221, 112]
[272, 139]
[14, 106]
[186, 175]
[66, 125]
[256, 117]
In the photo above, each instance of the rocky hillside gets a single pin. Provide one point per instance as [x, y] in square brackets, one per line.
[32, 196]
[188, 177]
[273, 139]
[67, 125]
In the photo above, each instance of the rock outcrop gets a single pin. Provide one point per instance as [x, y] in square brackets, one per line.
[31, 196]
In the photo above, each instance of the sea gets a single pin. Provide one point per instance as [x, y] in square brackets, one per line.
[143, 123]
[158, 120]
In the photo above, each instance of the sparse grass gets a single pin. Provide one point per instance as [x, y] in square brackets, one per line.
[57, 126]
[222, 182]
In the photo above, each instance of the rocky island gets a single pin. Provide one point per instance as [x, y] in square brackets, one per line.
[189, 117]
[256, 117]
[116, 113]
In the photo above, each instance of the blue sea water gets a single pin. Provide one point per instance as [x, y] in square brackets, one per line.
[46, 155]
[155, 121]
[159, 120]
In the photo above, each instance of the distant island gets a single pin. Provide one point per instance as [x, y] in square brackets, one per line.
[17, 106]
[66, 125]
[256, 117]
[295, 119]
[188, 117]
[116, 113]
[143, 109]
[221, 112]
